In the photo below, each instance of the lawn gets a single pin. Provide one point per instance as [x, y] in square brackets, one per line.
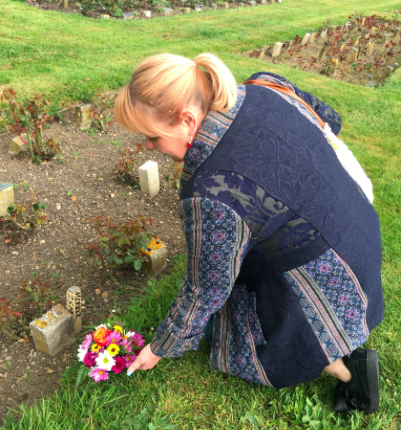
[66, 58]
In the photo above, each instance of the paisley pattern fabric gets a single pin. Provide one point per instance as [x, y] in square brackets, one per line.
[216, 237]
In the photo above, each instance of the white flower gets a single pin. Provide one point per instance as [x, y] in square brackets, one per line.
[105, 361]
[81, 354]
[99, 326]
[130, 334]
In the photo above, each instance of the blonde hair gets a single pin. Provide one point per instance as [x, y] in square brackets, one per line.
[163, 85]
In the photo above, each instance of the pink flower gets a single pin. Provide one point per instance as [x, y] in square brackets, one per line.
[137, 351]
[129, 359]
[90, 359]
[113, 337]
[119, 366]
[87, 342]
[99, 375]
[126, 344]
[138, 340]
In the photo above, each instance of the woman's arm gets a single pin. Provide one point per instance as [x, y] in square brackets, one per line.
[216, 240]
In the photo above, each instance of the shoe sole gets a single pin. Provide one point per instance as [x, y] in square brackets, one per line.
[373, 378]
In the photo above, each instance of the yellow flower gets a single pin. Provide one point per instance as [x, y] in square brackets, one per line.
[119, 329]
[113, 349]
[95, 347]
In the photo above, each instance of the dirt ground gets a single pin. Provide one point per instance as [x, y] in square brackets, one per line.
[58, 251]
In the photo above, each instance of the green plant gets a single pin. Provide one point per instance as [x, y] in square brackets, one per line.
[30, 118]
[101, 111]
[39, 293]
[22, 219]
[55, 112]
[8, 316]
[173, 180]
[120, 242]
[123, 169]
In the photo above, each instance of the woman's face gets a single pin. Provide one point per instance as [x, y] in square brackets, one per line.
[176, 145]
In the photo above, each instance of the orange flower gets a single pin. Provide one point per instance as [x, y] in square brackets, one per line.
[100, 336]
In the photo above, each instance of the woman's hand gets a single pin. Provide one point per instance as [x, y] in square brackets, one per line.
[145, 360]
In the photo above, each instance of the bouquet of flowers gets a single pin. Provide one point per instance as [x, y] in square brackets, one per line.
[108, 349]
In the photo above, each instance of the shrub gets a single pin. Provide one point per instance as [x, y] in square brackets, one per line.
[101, 111]
[22, 219]
[120, 242]
[173, 180]
[30, 117]
[124, 168]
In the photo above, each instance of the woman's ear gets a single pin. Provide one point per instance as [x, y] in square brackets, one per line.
[189, 120]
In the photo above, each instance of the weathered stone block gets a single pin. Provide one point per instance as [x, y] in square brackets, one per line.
[54, 331]
[187, 10]
[305, 39]
[168, 11]
[149, 178]
[272, 1]
[322, 53]
[74, 307]
[156, 254]
[369, 48]
[18, 145]
[263, 1]
[105, 16]
[82, 116]
[252, 2]
[6, 197]
[353, 55]
[147, 13]
[127, 15]
[226, 4]
[198, 9]
[312, 37]
[277, 49]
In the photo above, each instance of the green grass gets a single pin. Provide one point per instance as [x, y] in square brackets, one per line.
[58, 54]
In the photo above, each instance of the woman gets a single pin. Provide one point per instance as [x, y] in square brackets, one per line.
[284, 247]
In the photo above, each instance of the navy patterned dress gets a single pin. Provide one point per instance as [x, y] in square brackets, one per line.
[284, 248]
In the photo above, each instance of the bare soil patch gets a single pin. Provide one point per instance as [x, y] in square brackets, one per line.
[58, 250]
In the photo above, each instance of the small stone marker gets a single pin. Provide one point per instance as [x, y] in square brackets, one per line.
[353, 55]
[82, 116]
[105, 16]
[214, 6]
[6, 197]
[272, 1]
[157, 258]
[363, 22]
[263, 1]
[322, 53]
[198, 8]
[241, 4]
[65, 4]
[335, 62]
[74, 307]
[277, 49]
[372, 30]
[187, 10]
[386, 38]
[53, 331]
[369, 76]
[226, 4]
[168, 11]
[391, 68]
[18, 145]
[323, 34]
[342, 45]
[279, 1]
[357, 41]
[398, 33]
[348, 25]
[312, 37]
[369, 48]
[147, 13]
[149, 178]
[305, 39]
[252, 2]
[127, 15]
[290, 42]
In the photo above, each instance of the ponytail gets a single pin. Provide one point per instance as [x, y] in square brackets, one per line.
[162, 86]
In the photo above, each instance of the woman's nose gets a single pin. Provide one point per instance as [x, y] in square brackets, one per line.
[149, 144]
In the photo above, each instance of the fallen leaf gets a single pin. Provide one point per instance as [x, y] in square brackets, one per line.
[105, 295]
[98, 197]
[49, 371]
[42, 242]
[74, 198]
[7, 240]
[97, 291]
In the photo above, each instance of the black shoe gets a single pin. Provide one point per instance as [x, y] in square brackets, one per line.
[362, 392]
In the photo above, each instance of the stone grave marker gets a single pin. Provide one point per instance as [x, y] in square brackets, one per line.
[312, 37]
[369, 48]
[386, 38]
[241, 4]
[54, 331]
[357, 41]
[353, 54]
[149, 178]
[263, 1]
[277, 49]
[252, 2]
[82, 116]
[187, 10]
[272, 1]
[74, 307]
[305, 39]
[157, 257]
[226, 4]
[198, 8]
[65, 4]
[147, 13]
[322, 53]
[18, 145]
[6, 197]
[168, 11]
[105, 16]
[372, 30]
[323, 34]
[127, 15]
